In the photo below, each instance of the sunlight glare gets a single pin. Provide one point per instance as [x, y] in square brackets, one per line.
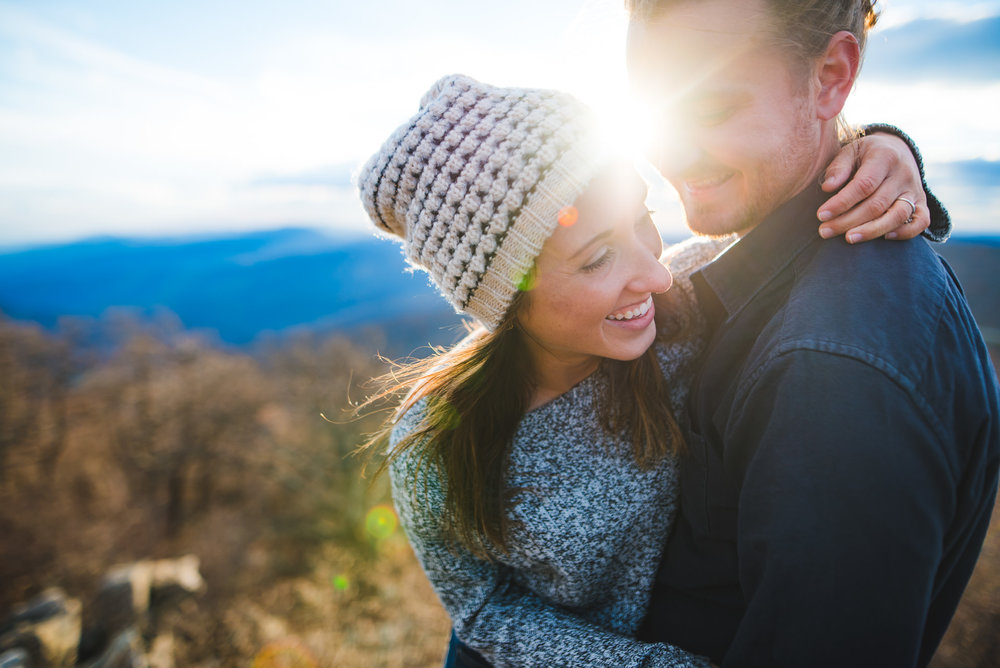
[626, 126]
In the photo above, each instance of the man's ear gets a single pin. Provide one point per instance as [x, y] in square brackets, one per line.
[836, 72]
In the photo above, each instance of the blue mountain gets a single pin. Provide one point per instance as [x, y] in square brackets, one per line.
[238, 286]
[288, 280]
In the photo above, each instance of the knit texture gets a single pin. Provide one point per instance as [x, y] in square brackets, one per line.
[473, 185]
[588, 525]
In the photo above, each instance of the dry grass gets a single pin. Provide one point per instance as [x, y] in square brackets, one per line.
[266, 496]
[347, 612]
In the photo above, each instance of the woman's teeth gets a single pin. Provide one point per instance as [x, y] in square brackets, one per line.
[640, 310]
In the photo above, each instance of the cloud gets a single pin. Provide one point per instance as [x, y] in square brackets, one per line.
[331, 176]
[936, 50]
[970, 190]
[970, 173]
[897, 13]
[109, 124]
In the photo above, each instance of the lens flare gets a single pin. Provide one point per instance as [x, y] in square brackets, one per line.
[568, 215]
[526, 281]
[381, 521]
[284, 654]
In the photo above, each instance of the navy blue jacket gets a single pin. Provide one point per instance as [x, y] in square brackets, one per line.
[843, 462]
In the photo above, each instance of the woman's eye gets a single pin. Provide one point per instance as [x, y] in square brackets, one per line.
[599, 262]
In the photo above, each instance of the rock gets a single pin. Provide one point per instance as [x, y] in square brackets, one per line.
[46, 630]
[161, 652]
[182, 572]
[113, 611]
[124, 651]
[127, 593]
[140, 579]
[14, 658]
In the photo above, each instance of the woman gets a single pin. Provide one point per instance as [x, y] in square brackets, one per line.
[533, 465]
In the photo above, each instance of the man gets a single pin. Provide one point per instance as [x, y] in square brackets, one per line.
[843, 463]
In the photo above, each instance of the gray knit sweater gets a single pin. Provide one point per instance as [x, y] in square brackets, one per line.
[589, 525]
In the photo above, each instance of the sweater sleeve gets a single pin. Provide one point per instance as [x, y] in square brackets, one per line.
[940, 228]
[493, 614]
[678, 314]
[688, 256]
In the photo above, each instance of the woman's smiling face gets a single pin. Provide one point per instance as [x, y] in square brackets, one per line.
[595, 278]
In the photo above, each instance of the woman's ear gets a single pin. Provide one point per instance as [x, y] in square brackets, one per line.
[837, 71]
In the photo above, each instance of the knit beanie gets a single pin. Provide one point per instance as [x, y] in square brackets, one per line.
[474, 184]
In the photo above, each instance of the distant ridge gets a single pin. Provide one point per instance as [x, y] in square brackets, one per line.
[297, 279]
[238, 286]
[976, 261]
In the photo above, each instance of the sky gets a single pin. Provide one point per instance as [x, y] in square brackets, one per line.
[137, 118]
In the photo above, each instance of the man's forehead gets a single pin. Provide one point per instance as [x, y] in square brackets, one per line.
[694, 42]
[711, 16]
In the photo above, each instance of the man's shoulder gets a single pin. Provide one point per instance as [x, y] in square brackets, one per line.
[881, 302]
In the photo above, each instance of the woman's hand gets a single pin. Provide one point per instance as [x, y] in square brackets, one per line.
[870, 205]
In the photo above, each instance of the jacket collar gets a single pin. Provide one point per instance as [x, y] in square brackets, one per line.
[736, 276]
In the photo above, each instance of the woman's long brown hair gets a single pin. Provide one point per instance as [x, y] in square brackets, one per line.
[476, 394]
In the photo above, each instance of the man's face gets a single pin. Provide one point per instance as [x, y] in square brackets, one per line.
[737, 131]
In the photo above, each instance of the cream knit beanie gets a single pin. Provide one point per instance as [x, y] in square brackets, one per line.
[474, 183]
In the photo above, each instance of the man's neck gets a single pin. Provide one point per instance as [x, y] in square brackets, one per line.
[828, 149]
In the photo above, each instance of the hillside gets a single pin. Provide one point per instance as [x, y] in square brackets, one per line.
[238, 287]
[976, 262]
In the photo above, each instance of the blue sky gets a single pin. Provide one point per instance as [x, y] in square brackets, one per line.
[141, 118]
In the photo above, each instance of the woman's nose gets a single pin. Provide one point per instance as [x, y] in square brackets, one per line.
[650, 274]
[661, 278]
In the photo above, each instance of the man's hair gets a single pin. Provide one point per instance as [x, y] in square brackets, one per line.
[802, 26]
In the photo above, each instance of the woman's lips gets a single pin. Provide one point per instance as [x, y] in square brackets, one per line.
[634, 312]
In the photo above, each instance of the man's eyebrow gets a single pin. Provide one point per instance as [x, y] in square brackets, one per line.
[719, 93]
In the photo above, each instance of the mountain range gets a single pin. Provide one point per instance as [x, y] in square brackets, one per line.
[238, 287]
[288, 280]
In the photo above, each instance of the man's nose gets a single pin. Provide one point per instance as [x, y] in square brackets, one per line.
[674, 152]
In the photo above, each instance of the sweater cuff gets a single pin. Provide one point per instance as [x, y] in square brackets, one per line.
[940, 228]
